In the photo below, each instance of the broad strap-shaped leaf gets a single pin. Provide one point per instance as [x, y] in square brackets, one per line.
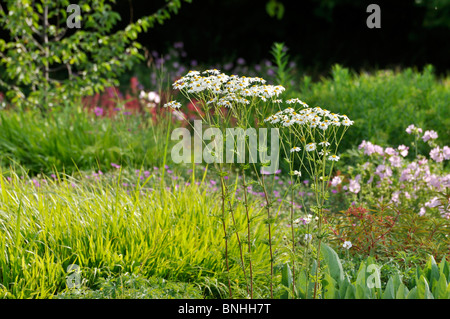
[402, 292]
[431, 270]
[286, 280]
[423, 289]
[333, 262]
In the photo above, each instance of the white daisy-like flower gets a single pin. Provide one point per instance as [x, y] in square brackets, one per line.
[310, 147]
[289, 110]
[347, 244]
[333, 158]
[296, 149]
[297, 173]
[323, 126]
[324, 143]
[213, 71]
[173, 104]
[322, 153]
[346, 121]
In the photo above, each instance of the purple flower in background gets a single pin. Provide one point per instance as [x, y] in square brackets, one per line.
[178, 45]
[53, 176]
[115, 165]
[240, 61]
[194, 63]
[228, 66]
[98, 111]
[213, 182]
[411, 128]
[127, 113]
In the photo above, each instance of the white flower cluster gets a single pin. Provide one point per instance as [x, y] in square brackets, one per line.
[173, 104]
[314, 117]
[225, 89]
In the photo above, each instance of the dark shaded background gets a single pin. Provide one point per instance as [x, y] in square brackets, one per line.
[315, 33]
[318, 33]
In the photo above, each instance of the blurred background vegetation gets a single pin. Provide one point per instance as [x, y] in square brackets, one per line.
[318, 33]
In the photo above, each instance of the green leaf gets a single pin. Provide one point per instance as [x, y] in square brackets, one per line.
[402, 292]
[333, 262]
[389, 291]
[286, 280]
[431, 270]
[423, 290]
[444, 268]
[329, 287]
[440, 289]
[412, 294]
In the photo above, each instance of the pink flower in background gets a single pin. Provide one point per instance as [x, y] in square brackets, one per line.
[390, 151]
[395, 197]
[336, 181]
[403, 150]
[422, 211]
[354, 186]
[411, 128]
[378, 149]
[396, 161]
[437, 155]
[434, 202]
[98, 111]
[429, 135]
[446, 152]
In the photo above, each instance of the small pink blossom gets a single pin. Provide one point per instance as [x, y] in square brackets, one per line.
[354, 186]
[436, 154]
[446, 151]
[396, 161]
[434, 202]
[422, 211]
[336, 181]
[429, 135]
[403, 150]
[390, 151]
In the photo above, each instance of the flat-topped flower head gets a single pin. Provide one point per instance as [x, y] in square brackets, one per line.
[173, 104]
[295, 149]
[324, 143]
[310, 147]
[333, 158]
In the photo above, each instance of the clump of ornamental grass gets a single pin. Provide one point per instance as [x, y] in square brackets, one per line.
[310, 137]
